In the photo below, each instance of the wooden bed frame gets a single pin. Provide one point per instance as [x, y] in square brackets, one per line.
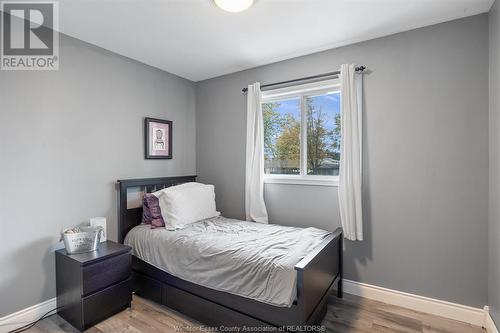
[316, 276]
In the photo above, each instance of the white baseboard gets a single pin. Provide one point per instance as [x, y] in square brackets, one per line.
[490, 324]
[468, 314]
[25, 316]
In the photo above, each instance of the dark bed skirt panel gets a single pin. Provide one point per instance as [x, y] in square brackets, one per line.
[205, 311]
[150, 282]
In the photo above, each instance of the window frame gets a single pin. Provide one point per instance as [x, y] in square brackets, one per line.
[302, 92]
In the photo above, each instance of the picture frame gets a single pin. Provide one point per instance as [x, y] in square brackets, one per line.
[157, 138]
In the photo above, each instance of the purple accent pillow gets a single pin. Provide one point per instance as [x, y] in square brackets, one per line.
[151, 212]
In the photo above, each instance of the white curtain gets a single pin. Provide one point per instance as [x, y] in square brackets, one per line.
[351, 211]
[255, 206]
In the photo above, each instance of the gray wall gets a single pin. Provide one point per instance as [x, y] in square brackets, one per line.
[65, 137]
[425, 158]
[494, 206]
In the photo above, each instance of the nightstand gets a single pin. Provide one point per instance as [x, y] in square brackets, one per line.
[93, 286]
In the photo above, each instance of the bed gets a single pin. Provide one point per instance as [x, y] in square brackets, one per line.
[293, 299]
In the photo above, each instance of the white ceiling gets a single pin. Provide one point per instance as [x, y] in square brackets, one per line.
[196, 40]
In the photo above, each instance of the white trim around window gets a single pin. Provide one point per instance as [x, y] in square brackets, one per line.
[302, 180]
[301, 91]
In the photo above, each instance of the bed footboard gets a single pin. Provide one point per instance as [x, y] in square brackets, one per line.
[316, 274]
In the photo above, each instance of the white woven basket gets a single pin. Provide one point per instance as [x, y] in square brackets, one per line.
[85, 240]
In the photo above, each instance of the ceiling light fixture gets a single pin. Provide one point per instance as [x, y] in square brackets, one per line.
[234, 6]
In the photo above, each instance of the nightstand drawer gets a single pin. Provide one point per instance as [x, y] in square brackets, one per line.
[104, 273]
[107, 302]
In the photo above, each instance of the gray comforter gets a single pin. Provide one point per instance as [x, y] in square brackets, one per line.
[243, 258]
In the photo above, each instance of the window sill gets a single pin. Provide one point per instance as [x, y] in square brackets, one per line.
[301, 180]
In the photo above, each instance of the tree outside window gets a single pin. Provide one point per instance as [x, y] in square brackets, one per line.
[283, 122]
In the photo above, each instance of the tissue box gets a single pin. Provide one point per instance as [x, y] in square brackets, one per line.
[100, 222]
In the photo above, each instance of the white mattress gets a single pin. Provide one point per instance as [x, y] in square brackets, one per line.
[248, 259]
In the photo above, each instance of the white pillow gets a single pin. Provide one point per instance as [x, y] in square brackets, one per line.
[186, 203]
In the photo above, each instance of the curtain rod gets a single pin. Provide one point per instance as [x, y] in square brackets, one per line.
[307, 78]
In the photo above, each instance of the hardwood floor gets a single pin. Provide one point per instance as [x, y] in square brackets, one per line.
[348, 315]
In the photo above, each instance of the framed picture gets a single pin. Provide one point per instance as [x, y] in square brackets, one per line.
[158, 138]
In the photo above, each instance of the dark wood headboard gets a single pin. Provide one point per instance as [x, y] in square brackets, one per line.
[129, 218]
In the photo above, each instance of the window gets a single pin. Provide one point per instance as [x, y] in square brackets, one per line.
[302, 133]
